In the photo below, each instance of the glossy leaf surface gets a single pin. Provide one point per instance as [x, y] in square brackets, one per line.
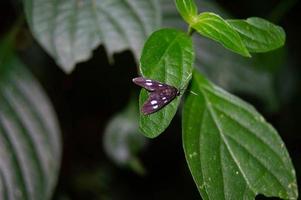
[214, 27]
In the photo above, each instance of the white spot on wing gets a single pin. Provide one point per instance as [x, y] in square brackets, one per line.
[160, 85]
[165, 101]
[155, 107]
[149, 84]
[153, 102]
[164, 98]
[147, 80]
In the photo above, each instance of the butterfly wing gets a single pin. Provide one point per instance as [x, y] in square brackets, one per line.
[158, 99]
[149, 84]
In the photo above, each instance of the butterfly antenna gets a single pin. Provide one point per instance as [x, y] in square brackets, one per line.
[192, 92]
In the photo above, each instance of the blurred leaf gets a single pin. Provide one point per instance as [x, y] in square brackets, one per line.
[122, 139]
[238, 74]
[259, 35]
[224, 68]
[214, 27]
[30, 146]
[6, 52]
[70, 30]
[188, 9]
[167, 57]
[232, 152]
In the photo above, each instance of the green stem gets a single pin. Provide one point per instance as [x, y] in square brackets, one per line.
[7, 43]
[190, 31]
[137, 166]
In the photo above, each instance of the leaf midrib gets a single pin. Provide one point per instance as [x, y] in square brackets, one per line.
[214, 118]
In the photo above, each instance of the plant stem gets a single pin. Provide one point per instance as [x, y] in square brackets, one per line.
[8, 41]
[190, 31]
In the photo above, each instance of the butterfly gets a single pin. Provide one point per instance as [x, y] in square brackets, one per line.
[161, 94]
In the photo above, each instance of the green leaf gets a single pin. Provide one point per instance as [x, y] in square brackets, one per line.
[70, 30]
[214, 27]
[187, 9]
[226, 69]
[30, 146]
[167, 57]
[232, 152]
[259, 35]
[122, 139]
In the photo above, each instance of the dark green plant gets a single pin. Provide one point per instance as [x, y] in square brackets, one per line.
[232, 152]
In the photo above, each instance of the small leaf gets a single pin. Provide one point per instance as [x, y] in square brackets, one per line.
[122, 139]
[214, 27]
[259, 35]
[167, 57]
[30, 146]
[187, 9]
[232, 152]
[70, 30]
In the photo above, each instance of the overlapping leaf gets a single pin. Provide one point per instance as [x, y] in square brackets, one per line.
[212, 26]
[226, 69]
[167, 57]
[232, 152]
[70, 30]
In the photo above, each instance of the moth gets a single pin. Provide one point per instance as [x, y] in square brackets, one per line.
[161, 94]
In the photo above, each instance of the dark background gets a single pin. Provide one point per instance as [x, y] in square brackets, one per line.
[96, 90]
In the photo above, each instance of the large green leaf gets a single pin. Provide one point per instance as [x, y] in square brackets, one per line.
[167, 57]
[122, 139]
[259, 35]
[229, 70]
[30, 147]
[232, 152]
[70, 30]
[214, 27]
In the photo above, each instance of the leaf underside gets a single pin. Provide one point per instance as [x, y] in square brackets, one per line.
[70, 30]
[30, 148]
